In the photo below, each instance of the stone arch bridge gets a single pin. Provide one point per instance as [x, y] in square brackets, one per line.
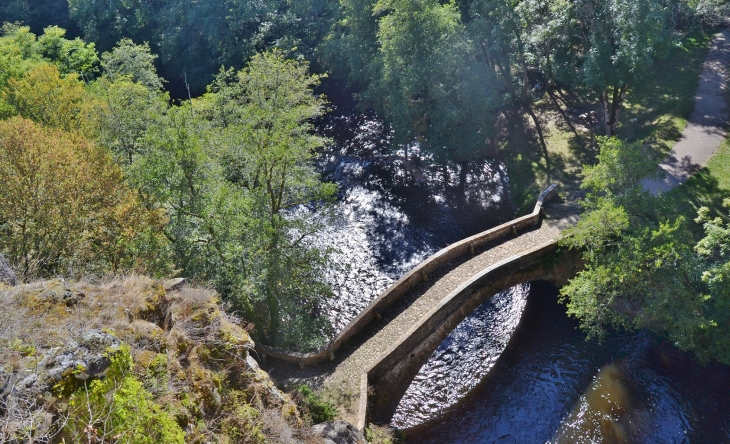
[367, 368]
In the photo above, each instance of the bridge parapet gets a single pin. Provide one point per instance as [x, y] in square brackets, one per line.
[417, 274]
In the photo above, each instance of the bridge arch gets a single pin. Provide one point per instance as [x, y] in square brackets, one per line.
[383, 385]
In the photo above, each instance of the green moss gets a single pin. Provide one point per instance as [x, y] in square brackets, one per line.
[119, 408]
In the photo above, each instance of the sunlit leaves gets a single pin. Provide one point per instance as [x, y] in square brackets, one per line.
[64, 207]
[45, 97]
[641, 269]
[133, 61]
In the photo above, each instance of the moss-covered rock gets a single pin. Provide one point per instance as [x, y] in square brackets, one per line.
[186, 354]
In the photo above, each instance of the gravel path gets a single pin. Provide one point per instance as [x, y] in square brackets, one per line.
[705, 130]
[340, 380]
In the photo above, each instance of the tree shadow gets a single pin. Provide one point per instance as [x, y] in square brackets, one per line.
[701, 190]
[521, 152]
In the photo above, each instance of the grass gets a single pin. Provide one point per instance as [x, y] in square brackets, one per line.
[707, 188]
[656, 111]
[719, 166]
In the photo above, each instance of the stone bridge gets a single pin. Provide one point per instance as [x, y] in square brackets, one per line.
[367, 368]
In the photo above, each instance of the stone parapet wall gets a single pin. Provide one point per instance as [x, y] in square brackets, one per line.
[407, 282]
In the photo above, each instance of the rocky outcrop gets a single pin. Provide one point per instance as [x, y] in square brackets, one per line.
[7, 275]
[80, 359]
[186, 352]
[338, 432]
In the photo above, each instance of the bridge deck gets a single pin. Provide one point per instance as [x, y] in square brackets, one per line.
[340, 380]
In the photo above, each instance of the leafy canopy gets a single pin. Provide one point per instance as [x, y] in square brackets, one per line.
[643, 268]
[65, 209]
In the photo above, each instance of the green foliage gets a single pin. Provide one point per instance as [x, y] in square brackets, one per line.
[133, 61]
[46, 97]
[122, 114]
[642, 270]
[37, 14]
[199, 37]
[228, 167]
[421, 72]
[314, 406]
[375, 434]
[65, 209]
[19, 346]
[118, 408]
[72, 56]
[621, 166]
[21, 53]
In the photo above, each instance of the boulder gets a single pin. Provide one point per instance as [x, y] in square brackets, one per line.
[7, 275]
[339, 432]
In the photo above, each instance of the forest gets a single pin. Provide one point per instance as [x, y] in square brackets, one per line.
[177, 138]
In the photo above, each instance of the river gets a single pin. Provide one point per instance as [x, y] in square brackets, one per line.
[551, 385]
[517, 370]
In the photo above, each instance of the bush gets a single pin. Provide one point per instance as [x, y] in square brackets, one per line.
[375, 434]
[119, 409]
[314, 406]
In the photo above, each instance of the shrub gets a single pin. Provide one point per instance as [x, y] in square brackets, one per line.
[375, 434]
[314, 406]
[119, 409]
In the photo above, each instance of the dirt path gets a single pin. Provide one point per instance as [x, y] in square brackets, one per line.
[705, 130]
[340, 379]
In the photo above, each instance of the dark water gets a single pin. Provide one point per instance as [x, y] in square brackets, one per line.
[550, 385]
[463, 359]
[395, 207]
[517, 370]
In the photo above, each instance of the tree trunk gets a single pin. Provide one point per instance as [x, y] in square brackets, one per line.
[611, 108]
[272, 278]
[525, 83]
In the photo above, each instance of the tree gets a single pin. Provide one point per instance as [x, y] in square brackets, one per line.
[195, 38]
[20, 51]
[134, 61]
[231, 168]
[611, 45]
[430, 86]
[64, 207]
[641, 268]
[40, 76]
[123, 113]
[44, 96]
[269, 153]
[71, 56]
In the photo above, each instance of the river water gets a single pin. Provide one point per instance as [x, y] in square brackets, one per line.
[551, 385]
[518, 370]
[394, 209]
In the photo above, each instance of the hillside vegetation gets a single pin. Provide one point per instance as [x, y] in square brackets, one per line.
[131, 361]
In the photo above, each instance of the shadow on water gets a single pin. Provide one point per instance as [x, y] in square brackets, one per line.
[395, 207]
[551, 385]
